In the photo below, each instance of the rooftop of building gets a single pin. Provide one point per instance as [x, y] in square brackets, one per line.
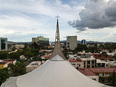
[103, 70]
[94, 71]
[8, 60]
[112, 63]
[34, 64]
[2, 63]
[46, 56]
[87, 72]
[74, 60]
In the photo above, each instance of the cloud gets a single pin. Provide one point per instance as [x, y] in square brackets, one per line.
[41, 7]
[97, 14]
[24, 18]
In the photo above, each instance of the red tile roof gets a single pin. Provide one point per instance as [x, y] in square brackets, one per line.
[94, 71]
[46, 56]
[102, 70]
[74, 60]
[2, 63]
[8, 61]
[87, 72]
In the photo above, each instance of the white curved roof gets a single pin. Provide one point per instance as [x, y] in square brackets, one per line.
[55, 74]
[57, 58]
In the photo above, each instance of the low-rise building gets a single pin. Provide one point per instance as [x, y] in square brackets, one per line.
[5, 63]
[103, 73]
[112, 64]
[89, 73]
[23, 57]
[86, 60]
[33, 65]
[19, 46]
[76, 63]
[89, 60]
[45, 57]
[102, 63]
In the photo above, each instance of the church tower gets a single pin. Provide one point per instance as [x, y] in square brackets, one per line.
[57, 48]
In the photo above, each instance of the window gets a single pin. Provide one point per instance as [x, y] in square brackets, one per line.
[88, 62]
[2, 44]
[73, 64]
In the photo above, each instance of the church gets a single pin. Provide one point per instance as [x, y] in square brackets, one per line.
[55, 72]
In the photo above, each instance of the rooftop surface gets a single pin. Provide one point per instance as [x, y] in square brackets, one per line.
[94, 71]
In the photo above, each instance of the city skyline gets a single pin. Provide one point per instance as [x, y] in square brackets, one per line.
[93, 20]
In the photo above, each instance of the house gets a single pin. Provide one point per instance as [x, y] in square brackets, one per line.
[87, 72]
[5, 63]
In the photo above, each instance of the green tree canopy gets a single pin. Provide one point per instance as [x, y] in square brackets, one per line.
[3, 55]
[18, 69]
[3, 75]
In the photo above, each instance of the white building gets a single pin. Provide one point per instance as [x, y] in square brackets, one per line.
[33, 65]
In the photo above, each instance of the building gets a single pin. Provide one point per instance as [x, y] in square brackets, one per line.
[105, 73]
[19, 46]
[41, 41]
[76, 63]
[46, 56]
[33, 65]
[55, 72]
[96, 73]
[103, 64]
[71, 42]
[83, 61]
[89, 60]
[83, 42]
[3, 44]
[112, 64]
[5, 63]
[87, 72]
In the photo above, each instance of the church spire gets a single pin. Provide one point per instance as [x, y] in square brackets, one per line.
[57, 48]
[57, 38]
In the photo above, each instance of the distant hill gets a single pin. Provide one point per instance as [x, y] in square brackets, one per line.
[11, 42]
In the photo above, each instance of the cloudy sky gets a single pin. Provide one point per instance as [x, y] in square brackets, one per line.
[93, 20]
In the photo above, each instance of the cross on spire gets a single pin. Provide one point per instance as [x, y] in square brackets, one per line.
[57, 16]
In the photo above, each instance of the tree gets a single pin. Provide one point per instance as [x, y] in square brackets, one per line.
[101, 79]
[28, 54]
[14, 55]
[34, 45]
[3, 75]
[114, 56]
[113, 79]
[65, 52]
[3, 55]
[104, 54]
[14, 48]
[18, 69]
[81, 47]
